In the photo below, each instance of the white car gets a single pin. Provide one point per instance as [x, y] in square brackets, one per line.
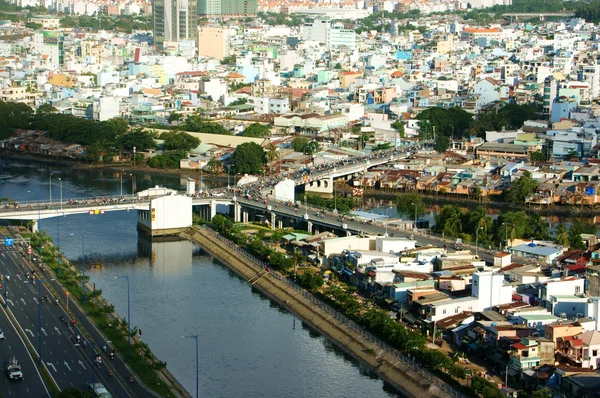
[1, 335]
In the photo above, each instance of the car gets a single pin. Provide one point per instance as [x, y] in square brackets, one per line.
[1, 335]
[99, 390]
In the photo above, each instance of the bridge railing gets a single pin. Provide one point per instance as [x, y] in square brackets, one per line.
[411, 363]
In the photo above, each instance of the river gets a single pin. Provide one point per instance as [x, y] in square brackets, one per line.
[248, 345]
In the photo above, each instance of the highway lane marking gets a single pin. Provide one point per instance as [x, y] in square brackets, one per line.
[44, 331]
[19, 276]
[67, 365]
[23, 300]
[57, 331]
[10, 302]
[82, 365]
[30, 332]
[34, 299]
[52, 366]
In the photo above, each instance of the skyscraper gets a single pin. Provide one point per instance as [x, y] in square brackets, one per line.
[174, 21]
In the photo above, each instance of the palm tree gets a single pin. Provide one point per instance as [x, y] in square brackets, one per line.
[454, 225]
[272, 155]
[562, 235]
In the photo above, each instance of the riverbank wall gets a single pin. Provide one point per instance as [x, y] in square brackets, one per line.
[393, 368]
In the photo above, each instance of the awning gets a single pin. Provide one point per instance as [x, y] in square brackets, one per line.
[512, 372]
[348, 272]
[410, 319]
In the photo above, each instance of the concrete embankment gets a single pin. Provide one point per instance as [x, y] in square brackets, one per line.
[405, 378]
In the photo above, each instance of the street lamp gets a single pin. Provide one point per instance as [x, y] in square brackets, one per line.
[60, 181]
[121, 175]
[82, 267]
[505, 233]
[50, 178]
[39, 319]
[58, 243]
[477, 241]
[39, 208]
[228, 173]
[195, 337]
[126, 277]
[334, 197]
[132, 189]
[388, 216]
[414, 204]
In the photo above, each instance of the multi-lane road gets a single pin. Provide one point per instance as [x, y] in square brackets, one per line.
[47, 328]
[13, 345]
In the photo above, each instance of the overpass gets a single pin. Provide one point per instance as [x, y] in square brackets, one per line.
[542, 16]
[161, 209]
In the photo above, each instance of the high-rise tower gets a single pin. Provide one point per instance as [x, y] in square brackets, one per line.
[174, 21]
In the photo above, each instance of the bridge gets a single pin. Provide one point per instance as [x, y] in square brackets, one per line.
[163, 211]
[542, 16]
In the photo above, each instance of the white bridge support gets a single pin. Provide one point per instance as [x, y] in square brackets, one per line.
[273, 219]
[322, 185]
[237, 212]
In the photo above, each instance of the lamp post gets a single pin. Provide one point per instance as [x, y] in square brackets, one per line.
[334, 197]
[58, 243]
[414, 204]
[477, 241]
[122, 171]
[388, 216]
[195, 337]
[50, 179]
[132, 189]
[126, 277]
[82, 267]
[61, 201]
[228, 173]
[39, 208]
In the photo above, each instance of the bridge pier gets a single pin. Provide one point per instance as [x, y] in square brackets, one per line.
[322, 185]
[213, 209]
[34, 226]
[273, 219]
[237, 212]
[245, 217]
[310, 226]
[280, 224]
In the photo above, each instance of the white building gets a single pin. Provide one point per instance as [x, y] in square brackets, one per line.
[393, 245]
[166, 215]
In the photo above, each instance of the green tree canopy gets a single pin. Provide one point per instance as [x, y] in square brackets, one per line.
[197, 124]
[257, 130]
[179, 141]
[521, 188]
[249, 158]
[441, 144]
[444, 121]
[311, 148]
[405, 204]
[169, 160]
[139, 138]
[537, 156]
[299, 143]
[399, 127]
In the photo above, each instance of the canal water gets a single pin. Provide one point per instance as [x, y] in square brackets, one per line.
[248, 346]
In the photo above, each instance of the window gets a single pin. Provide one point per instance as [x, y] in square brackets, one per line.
[456, 310]
[444, 312]
[475, 282]
[594, 353]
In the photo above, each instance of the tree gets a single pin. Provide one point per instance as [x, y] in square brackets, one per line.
[542, 393]
[299, 143]
[197, 124]
[257, 130]
[521, 188]
[169, 160]
[239, 101]
[272, 154]
[179, 141]
[399, 127]
[33, 25]
[141, 139]
[518, 114]
[573, 154]
[174, 117]
[45, 109]
[311, 148]
[441, 144]
[406, 203]
[338, 66]
[249, 158]
[561, 235]
[537, 156]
